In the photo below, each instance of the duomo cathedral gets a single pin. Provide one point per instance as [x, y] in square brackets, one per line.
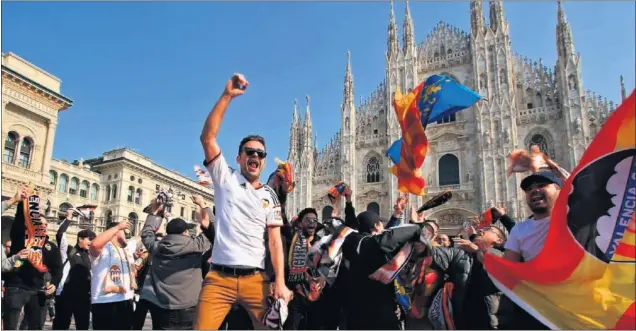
[526, 102]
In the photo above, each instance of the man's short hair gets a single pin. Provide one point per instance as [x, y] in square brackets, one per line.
[86, 233]
[249, 138]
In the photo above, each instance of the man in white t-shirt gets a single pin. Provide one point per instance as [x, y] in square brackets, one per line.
[247, 212]
[527, 238]
[113, 282]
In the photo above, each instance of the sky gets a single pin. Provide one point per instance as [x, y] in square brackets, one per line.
[144, 75]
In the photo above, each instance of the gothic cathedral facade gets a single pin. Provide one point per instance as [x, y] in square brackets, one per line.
[526, 103]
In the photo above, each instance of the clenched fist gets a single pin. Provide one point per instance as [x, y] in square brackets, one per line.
[236, 86]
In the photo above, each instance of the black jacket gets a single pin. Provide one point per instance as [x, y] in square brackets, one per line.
[26, 276]
[476, 300]
[371, 304]
[78, 282]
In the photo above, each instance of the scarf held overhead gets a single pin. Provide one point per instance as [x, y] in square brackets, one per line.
[593, 232]
[35, 234]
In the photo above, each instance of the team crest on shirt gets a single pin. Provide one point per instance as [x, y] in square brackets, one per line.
[265, 203]
[47, 246]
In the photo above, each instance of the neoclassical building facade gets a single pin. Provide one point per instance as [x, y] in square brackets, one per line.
[527, 103]
[116, 185]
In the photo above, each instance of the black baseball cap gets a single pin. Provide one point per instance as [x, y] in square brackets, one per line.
[86, 233]
[178, 226]
[544, 176]
[367, 221]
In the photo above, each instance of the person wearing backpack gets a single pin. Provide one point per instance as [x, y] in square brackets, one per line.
[73, 297]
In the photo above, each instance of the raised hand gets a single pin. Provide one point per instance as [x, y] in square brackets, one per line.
[399, 206]
[198, 200]
[236, 86]
[23, 254]
[346, 192]
[124, 225]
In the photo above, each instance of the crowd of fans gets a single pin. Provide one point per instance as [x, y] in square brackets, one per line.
[249, 266]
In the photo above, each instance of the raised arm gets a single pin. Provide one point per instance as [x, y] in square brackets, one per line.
[21, 194]
[233, 88]
[97, 245]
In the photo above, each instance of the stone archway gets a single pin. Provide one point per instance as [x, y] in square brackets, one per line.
[451, 220]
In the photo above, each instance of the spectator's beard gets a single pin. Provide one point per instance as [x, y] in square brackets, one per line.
[539, 210]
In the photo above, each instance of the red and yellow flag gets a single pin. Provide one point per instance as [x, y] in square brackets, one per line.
[584, 278]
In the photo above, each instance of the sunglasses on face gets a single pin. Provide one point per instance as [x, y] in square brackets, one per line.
[310, 219]
[251, 151]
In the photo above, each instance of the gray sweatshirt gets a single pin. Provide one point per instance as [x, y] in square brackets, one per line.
[174, 278]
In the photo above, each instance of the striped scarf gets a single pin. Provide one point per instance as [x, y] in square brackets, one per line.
[298, 258]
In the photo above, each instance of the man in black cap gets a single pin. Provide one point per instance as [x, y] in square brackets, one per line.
[172, 285]
[73, 297]
[527, 238]
[371, 304]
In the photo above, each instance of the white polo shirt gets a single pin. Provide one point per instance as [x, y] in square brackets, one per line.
[243, 214]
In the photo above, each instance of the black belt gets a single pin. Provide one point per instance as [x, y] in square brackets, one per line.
[235, 271]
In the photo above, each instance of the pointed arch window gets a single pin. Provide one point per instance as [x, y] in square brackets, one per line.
[114, 191]
[448, 170]
[84, 189]
[373, 170]
[94, 191]
[109, 216]
[9, 147]
[26, 149]
[62, 186]
[107, 195]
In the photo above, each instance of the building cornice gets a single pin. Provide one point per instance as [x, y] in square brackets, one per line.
[185, 185]
[63, 101]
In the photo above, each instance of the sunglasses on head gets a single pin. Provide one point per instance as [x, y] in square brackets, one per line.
[494, 230]
[251, 151]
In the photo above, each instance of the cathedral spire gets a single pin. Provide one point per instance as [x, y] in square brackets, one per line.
[623, 91]
[497, 19]
[565, 44]
[348, 82]
[476, 16]
[408, 42]
[295, 114]
[392, 48]
[307, 113]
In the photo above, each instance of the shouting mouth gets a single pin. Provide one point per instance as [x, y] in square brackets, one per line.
[537, 198]
[252, 165]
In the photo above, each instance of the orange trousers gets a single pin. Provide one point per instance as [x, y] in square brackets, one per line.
[221, 291]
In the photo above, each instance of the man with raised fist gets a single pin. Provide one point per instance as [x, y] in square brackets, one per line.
[247, 212]
[113, 279]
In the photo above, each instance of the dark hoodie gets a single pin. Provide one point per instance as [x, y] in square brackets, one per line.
[371, 304]
[175, 267]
